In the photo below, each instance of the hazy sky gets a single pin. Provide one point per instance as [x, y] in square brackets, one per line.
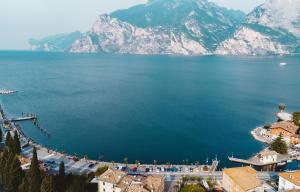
[24, 19]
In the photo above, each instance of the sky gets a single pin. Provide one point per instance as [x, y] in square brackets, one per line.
[24, 19]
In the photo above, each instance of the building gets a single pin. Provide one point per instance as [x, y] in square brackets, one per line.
[267, 156]
[241, 179]
[287, 129]
[119, 181]
[289, 181]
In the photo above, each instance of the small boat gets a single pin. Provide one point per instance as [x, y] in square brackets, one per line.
[281, 164]
[282, 64]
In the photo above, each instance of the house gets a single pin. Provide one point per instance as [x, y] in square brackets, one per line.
[119, 181]
[287, 129]
[241, 179]
[267, 156]
[108, 181]
[289, 181]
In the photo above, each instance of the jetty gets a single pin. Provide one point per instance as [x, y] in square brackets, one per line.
[24, 118]
[256, 159]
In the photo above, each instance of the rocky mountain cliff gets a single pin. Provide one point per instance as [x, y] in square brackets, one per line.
[272, 28]
[185, 27]
[188, 27]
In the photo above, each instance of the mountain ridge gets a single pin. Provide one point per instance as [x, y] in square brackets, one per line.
[193, 27]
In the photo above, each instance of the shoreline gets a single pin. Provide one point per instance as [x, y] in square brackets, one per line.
[76, 164]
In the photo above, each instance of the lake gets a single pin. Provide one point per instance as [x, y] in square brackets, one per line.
[165, 108]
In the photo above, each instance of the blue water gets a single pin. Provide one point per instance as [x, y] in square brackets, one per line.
[146, 108]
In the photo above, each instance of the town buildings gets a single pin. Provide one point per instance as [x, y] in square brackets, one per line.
[119, 181]
[241, 179]
[287, 129]
[289, 181]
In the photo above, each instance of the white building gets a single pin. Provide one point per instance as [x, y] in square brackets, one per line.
[268, 157]
[289, 181]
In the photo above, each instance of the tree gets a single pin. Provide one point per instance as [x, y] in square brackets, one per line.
[34, 179]
[78, 184]
[281, 107]
[1, 135]
[24, 185]
[193, 188]
[9, 142]
[16, 143]
[47, 184]
[296, 118]
[125, 161]
[101, 170]
[14, 175]
[3, 159]
[62, 170]
[279, 145]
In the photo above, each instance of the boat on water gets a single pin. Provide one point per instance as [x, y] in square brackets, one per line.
[5, 92]
[281, 164]
[282, 64]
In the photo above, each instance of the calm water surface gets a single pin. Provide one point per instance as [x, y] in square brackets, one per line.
[148, 108]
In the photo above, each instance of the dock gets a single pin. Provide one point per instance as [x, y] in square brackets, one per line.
[282, 159]
[24, 118]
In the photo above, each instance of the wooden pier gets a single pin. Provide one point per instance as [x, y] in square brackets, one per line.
[24, 118]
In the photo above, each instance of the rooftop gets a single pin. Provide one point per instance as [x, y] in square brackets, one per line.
[112, 176]
[267, 153]
[293, 177]
[133, 183]
[287, 126]
[245, 177]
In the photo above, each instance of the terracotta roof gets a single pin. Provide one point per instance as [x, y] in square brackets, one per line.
[245, 177]
[293, 190]
[132, 183]
[293, 177]
[154, 183]
[287, 126]
[112, 176]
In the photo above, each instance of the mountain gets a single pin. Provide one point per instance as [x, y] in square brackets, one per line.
[60, 42]
[185, 27]
[272, 28]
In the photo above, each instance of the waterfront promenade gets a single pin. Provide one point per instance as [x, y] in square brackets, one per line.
[51, 159]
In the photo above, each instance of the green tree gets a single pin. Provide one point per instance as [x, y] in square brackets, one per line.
[101, 170]
[193, 188]
[3, 159]
[296, 118]
[7, 168]
[281, 107]
[279, 145]
[61, 172]
[24, 185]
[16, 143]
[34, 179]
[47, 184]
[9, 142]
[1, 134]
[14, 175]
[78, 184]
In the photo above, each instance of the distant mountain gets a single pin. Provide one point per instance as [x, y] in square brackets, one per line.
[272, 28]
[187, 27]
[60, 42]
